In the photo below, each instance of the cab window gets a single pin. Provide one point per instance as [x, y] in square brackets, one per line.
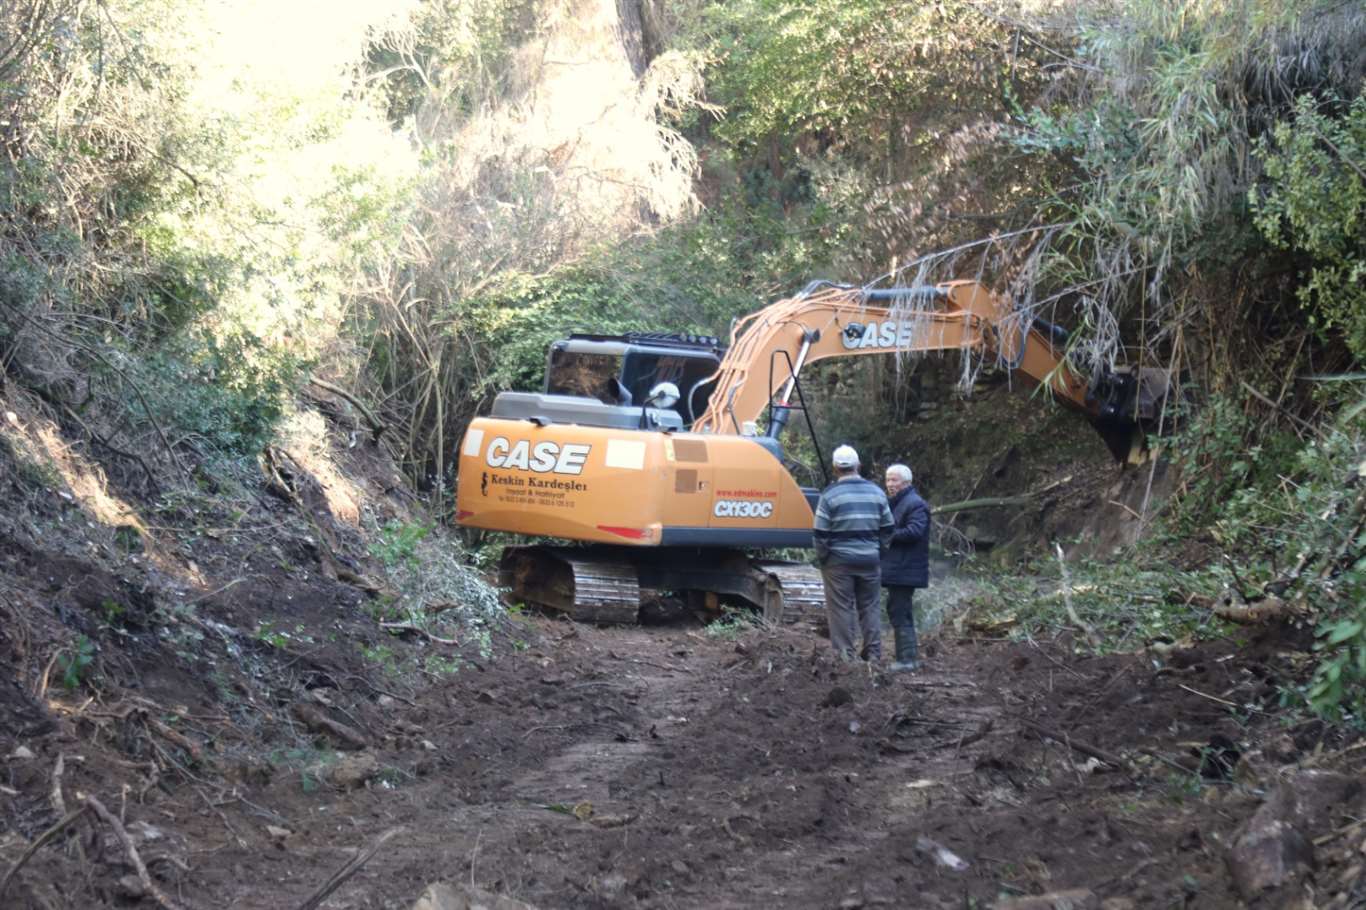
[588, 375]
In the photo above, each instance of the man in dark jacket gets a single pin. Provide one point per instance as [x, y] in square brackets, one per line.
[906, 562]
[852, 529]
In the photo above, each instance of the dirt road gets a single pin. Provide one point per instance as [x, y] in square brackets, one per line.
[666, 768]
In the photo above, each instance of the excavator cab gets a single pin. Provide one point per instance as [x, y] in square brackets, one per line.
[620, 370]
[606, 381]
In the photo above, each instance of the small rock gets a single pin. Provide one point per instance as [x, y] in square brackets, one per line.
[942, 856]
[385, 701]
[855, 726]
[852, 902]
[21, 753]
[130, 887]
[442, 896]
[1118, 903]
[352, 771]
[679, 867]
[610, 885]
[429, 745]
[1283, 749]
[1251, 771]
[142, 831]
[1266, 856]
[838, 696]
[1272, 846]
[1072, 899]
[277, 833]
[612, 821]
[250, 771]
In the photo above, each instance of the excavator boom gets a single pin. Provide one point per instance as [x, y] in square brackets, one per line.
[773, 345]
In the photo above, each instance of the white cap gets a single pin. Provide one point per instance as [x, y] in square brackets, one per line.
[845, 457]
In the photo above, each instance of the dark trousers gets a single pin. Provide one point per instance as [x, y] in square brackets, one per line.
[851, 606]
[901, 613]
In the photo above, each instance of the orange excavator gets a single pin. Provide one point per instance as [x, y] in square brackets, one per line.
[645, 449]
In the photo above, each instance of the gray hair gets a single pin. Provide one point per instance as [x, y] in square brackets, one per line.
[900, 472]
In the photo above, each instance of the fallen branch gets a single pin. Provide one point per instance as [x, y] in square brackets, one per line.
[975, 736]
[995, 501]
[1332, 756]
[269, 461]
[1214, 698]
[418, 630]
[989, 502]
[364, 582]
[1306, 425]
[148, 710]
[1091, 637]
[319, 722]
[647, 663]
[106, 444]
[58, 802]
[1260, 611]
[1271, 603]
[1334, 835]
[143, 876]
[921, 684]
[377, 426]
[34, 847]
[241, 844]
[215, 592]
[351, 868]
[378, 691]
[1170, 763]
[40, 692]
[191, 748]
[1075, 745]
[991, 463]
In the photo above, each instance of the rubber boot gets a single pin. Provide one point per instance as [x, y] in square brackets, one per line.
[906, 649]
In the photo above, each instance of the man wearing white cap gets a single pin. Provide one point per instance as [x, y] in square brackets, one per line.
[853, 528]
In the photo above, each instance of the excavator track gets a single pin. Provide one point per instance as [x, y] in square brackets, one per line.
[605, 584]
[588, 585]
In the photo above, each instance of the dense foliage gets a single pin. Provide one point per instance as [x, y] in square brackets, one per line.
[1315, 204]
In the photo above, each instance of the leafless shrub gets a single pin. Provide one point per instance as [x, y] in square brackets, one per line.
[571, 151]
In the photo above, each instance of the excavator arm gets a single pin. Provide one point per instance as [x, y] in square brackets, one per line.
[770, 348]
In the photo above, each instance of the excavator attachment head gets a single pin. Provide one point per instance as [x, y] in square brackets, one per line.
[1128, 405]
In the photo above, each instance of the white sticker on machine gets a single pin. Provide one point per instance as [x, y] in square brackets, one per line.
[474, 441]
[626, 453]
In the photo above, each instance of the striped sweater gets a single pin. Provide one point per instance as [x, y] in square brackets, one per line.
[853, 523]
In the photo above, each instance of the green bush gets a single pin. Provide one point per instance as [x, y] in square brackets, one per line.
[221, 395]
[74, 665]
[1269, 499]
[1314, 202]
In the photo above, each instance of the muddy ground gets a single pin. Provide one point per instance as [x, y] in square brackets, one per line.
[666, 767]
